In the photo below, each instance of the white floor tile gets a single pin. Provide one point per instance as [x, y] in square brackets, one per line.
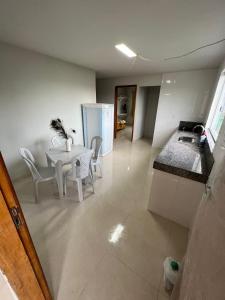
[109, 246]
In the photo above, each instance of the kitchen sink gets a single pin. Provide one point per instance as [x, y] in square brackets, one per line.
[186, 139]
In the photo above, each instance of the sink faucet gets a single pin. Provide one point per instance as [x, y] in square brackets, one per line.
[200, 129]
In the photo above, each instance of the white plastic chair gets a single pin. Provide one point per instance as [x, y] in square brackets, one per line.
[58, 141]
[39, 174]
[96, 144]
[81, 169]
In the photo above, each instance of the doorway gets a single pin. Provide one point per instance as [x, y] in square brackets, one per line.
[150, 95]
[124, 114]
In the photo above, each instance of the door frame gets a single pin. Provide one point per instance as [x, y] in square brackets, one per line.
[133, 107]
[12, 201]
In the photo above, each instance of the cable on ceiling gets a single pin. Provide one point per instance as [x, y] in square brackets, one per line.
[133, 63]
[185, 54]
[195, 50]
[144, 58]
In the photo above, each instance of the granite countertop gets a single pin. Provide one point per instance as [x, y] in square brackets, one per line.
[185, 159]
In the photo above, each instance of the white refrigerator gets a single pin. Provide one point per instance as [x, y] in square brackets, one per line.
[98, 120]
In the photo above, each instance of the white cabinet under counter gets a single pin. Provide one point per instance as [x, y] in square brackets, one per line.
[174, 197]
[180, 173]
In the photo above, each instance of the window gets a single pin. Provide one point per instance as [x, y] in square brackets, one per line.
[217, 111]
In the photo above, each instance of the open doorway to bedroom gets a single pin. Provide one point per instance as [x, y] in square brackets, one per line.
[125, 103]
[148, 100]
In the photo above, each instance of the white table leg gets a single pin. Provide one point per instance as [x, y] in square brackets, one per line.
[59, 176]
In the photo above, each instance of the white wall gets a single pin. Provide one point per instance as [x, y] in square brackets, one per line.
[6, 291]
[105, 88]
[35, 88]
[186, 97]
[151, 111]
[105, 93]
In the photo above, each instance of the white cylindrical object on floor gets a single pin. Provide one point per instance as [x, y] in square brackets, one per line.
[170, 275]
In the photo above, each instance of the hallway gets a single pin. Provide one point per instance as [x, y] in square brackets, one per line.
[124, 134]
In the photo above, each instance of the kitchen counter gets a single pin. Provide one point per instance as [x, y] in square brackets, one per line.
[185, 159]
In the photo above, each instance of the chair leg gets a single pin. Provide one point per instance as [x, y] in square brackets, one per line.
[36, 191]
[100, 168]
[91, 171]
[64, 186]
[92, 183]
[80, 189]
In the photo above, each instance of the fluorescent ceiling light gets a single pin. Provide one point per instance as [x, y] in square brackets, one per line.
[125, 50]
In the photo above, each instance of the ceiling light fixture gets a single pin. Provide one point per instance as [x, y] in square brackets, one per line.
[125, 50]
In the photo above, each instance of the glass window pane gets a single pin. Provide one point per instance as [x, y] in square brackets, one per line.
[219, 112]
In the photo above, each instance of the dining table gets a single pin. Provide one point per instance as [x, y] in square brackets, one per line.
[59, 157]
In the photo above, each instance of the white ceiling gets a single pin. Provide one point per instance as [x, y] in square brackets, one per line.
[85, 32]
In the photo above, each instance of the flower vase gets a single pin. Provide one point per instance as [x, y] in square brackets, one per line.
[68, 145]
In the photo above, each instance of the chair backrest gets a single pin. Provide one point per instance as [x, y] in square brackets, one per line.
[81, 165]
[96, 143]
[58, 141]
[30, 162]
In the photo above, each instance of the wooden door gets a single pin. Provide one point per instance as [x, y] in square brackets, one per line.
[18, 259]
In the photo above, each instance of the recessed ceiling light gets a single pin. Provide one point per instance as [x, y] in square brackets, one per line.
[125, 50]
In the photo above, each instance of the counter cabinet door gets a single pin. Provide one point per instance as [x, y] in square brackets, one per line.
[175, 198]
[190, 192]
[163, 193]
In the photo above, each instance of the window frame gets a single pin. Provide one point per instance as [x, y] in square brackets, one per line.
[215, 107]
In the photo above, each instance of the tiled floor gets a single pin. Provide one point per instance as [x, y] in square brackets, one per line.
[124, 134]
[109, 247]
